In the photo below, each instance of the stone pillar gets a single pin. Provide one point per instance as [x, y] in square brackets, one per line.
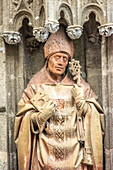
[14, 85]
[3, 114]
[107, 96]
[109, 116]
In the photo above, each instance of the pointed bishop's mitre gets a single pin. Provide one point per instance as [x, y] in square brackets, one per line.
[59, 42]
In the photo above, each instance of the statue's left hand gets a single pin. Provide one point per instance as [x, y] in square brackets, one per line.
[78, 92]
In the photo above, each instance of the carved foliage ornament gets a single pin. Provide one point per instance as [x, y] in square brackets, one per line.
[11, 37]
[74, 31]
[52, 26]
[41, 34]
[106, 29]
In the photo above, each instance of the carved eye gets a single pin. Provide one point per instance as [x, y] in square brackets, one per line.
[57, 57]
[65, 59]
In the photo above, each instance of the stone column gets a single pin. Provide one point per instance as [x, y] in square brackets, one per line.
[107, 91]
[14, 85]
[109, 116]
[3, 114]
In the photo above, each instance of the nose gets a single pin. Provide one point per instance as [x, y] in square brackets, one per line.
[60, 61]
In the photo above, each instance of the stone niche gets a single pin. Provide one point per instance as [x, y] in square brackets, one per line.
[88, 51]
[33, 51]
[26, 58]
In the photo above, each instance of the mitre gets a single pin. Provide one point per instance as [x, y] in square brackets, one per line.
[59, 42]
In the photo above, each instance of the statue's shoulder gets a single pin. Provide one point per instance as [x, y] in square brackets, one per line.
[39, 77]
[85, 84]
[89, 93]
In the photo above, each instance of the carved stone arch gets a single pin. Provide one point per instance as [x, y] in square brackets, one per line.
[96, 9]
[68, 16]
[19, 17]
[42, 16]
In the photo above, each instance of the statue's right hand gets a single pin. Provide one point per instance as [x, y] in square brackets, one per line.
[34, 117]
[50, 108]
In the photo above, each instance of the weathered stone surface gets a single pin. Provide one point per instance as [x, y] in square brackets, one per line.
[3, 114]
[95, 78]
[33, 63]
[3, 141]
[2, 75]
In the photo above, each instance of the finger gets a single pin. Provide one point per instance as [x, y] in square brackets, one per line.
[33, 89]
[74, 90]
[55, 103]
[50, 102]
[80, 85]
[54, 109]
[52, 106]
[75, 87]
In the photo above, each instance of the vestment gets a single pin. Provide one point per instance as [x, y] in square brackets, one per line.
[59, 142]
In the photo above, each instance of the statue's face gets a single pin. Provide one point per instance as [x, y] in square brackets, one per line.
[57, 63]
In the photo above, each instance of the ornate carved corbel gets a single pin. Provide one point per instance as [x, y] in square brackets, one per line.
[11, 37]
[52, 26]
[106, 29]
[41, 34]
[74, 31]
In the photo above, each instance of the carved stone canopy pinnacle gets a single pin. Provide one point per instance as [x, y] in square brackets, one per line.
[52, 26]
[41, 34]
[106, 29]
[74, 31]
[11, 37]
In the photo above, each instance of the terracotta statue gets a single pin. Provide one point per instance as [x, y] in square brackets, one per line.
[59, 125]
